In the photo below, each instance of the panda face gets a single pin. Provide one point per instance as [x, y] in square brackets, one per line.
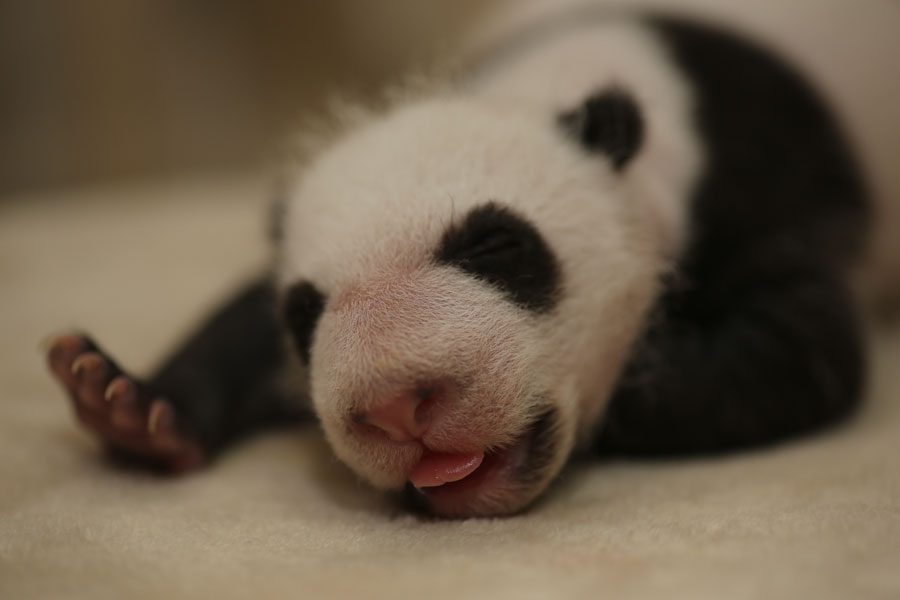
[464, 280]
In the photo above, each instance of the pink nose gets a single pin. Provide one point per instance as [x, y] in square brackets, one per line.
[404, 418]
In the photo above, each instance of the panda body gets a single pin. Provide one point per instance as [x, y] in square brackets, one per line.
[668, 169]
[609, 234]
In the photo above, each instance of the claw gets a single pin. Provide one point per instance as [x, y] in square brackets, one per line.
[161, 416]
[78, 366]
[117, 387]
[89, 361]
[124, 411]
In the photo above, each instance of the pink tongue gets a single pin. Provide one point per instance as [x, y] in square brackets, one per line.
[437, 469]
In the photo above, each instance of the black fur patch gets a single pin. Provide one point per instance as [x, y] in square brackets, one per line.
[757, 337]
[543, 445]
[506, 251]
[223, 380]
[777, 162]
[769, 351]
[608, 122]
[303, 305]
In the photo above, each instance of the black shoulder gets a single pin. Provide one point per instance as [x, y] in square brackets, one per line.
[757, 336]
[772, 349]
[777, 162]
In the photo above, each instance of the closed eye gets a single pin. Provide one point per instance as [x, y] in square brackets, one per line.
[503, 249]
[494, 243]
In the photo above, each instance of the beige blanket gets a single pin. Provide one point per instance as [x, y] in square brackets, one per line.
[278, 517]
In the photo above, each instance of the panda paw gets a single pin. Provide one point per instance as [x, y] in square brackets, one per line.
[135, 423]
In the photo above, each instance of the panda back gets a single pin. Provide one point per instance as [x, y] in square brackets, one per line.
[777, 169]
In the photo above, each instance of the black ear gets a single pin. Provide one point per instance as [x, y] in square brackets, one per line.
[608, 122]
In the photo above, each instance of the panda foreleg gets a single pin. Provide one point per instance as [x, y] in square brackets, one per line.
[221, 384]
[744, 361]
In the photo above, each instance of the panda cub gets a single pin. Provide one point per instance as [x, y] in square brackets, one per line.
[610, 235]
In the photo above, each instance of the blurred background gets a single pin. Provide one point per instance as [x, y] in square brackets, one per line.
[100, 90]
[97, 91]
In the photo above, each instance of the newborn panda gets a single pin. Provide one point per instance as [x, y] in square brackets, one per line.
[609, 235]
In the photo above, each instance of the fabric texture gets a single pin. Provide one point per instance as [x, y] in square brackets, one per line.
[279, 517]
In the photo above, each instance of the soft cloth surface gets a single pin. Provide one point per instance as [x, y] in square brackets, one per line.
[279, 517]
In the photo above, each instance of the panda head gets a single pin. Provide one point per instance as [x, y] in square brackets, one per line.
[464, 280]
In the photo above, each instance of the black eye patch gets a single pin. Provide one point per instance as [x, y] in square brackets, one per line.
[506, 251]
[302, 307]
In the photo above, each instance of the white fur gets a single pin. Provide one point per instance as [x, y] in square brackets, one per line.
[364, 219]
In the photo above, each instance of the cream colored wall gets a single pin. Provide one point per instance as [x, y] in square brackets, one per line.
[94, 90]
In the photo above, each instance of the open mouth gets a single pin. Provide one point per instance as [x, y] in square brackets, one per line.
[470, 471]
[447, 483]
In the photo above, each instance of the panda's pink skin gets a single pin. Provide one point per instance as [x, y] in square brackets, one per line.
[407, 416]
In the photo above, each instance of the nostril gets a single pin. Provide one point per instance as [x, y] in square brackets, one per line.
[404, 418]
[426, 402]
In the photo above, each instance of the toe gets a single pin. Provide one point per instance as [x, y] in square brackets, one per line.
[63, 351]
[161, 426]
[161, 418]
[124, 410]
[92, 374]
[181, 453]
